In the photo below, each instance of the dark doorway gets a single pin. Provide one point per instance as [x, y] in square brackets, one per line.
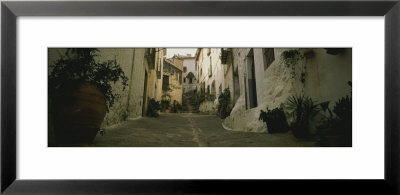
[144, 95]
[251, 78]
[236, 87]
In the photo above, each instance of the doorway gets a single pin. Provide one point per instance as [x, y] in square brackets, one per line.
[251, 81]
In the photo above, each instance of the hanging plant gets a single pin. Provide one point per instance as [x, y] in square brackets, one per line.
[291, 58]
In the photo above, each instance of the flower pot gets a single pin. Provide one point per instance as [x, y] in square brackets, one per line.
[78, 111]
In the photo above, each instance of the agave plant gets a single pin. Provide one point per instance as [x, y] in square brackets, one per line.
[303, 110]
[343, 108]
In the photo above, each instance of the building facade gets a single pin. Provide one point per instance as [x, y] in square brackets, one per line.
[189, 73]
[172, 80]
[270, 76]
[210, 71]
[261, 78]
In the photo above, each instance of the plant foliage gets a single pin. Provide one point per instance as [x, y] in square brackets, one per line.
[153, 108]
[165, 104]
[79, 66]
[303, 110]
[339, 126]
[176, 107]
[202, 97]
[275, 120]
[290, 57]
[224, 101]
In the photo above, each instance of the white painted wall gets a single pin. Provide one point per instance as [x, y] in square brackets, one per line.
[326, 80]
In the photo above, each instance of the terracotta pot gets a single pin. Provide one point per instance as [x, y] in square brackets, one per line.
[78, 112]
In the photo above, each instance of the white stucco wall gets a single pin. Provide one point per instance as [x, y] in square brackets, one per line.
[326, 80]
[189, 63]
[217, 68]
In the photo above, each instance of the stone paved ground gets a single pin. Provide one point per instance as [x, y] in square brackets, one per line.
[189, 130]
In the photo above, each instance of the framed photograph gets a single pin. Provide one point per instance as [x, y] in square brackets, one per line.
[199, 97]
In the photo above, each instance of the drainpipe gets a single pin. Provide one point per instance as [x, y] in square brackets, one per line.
[245, 83]
[232, 79]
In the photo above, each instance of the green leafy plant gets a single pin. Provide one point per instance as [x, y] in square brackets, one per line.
[275, 120]
[79, 66]
[153, 108]
[165, 104]
[202, 97]
[303, 110]
[338, 127]
[224, 101]
[176, 107]
[337, 130]
[290, 59]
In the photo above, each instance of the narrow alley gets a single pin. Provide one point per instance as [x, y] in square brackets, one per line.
[206, 97]
[189, 130]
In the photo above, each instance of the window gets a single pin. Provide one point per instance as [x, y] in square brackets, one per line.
[269, 57]
[184, 80]
[184, 69]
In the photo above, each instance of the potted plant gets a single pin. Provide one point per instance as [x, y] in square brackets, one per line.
[224, 101]
[165, 105]
[337, 130]
[303, 110]
[80, 94]
[154, 107]
[275, 120]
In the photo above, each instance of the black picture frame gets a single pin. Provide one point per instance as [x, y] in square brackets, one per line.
[10, 10]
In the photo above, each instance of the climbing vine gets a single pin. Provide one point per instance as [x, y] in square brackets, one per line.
[291, 58]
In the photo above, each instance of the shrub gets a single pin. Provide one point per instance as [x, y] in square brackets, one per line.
[224, 101]
[165, 104]
[339, 127]
[176, 107]
[200, 98]
[303, 110]
[275, 120]
[153, 108]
